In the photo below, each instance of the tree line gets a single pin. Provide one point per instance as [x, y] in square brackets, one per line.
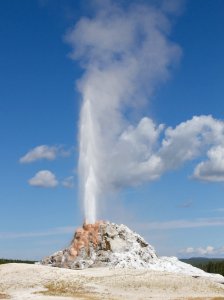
[212, 267]
[7, 261]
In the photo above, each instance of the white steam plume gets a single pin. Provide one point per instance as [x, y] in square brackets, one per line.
[126, 53]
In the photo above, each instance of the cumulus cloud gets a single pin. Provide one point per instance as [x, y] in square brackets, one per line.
[202, 251]
[147, 151]
[213, 168]
[44, 152]
[38, 153]
[45, 179]
[189, 140]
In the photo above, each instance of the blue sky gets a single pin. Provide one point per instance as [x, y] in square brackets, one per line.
[39, 105]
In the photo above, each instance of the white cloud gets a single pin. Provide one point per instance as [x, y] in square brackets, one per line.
[187, 250]
[68, 182]
[44, 178]
[213, 168]
[139, 155]
[202, 251]
[40, 152]
[45, 152]
[189, 140]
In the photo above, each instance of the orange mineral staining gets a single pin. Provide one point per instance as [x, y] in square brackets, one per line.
[85, 236]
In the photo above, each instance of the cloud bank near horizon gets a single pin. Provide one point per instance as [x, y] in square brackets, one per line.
[202, 251]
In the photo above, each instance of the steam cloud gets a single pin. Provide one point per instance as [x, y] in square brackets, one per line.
[126, 53]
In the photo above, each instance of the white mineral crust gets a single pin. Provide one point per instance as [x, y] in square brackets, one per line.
[119, 247]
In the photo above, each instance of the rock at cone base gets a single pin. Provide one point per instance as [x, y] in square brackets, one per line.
[103, 244]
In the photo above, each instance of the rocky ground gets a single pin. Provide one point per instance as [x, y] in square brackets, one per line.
[23, 282]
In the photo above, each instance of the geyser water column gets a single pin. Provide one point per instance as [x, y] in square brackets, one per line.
[125, 52]
[87, 161]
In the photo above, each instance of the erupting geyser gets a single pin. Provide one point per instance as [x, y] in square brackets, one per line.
[88, 162]
[125, 53]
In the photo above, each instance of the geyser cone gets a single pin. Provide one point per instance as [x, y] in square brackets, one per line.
[86, 237]
[104, 244]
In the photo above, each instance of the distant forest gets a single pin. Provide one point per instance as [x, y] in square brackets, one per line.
[214, 265]
[7, 261]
